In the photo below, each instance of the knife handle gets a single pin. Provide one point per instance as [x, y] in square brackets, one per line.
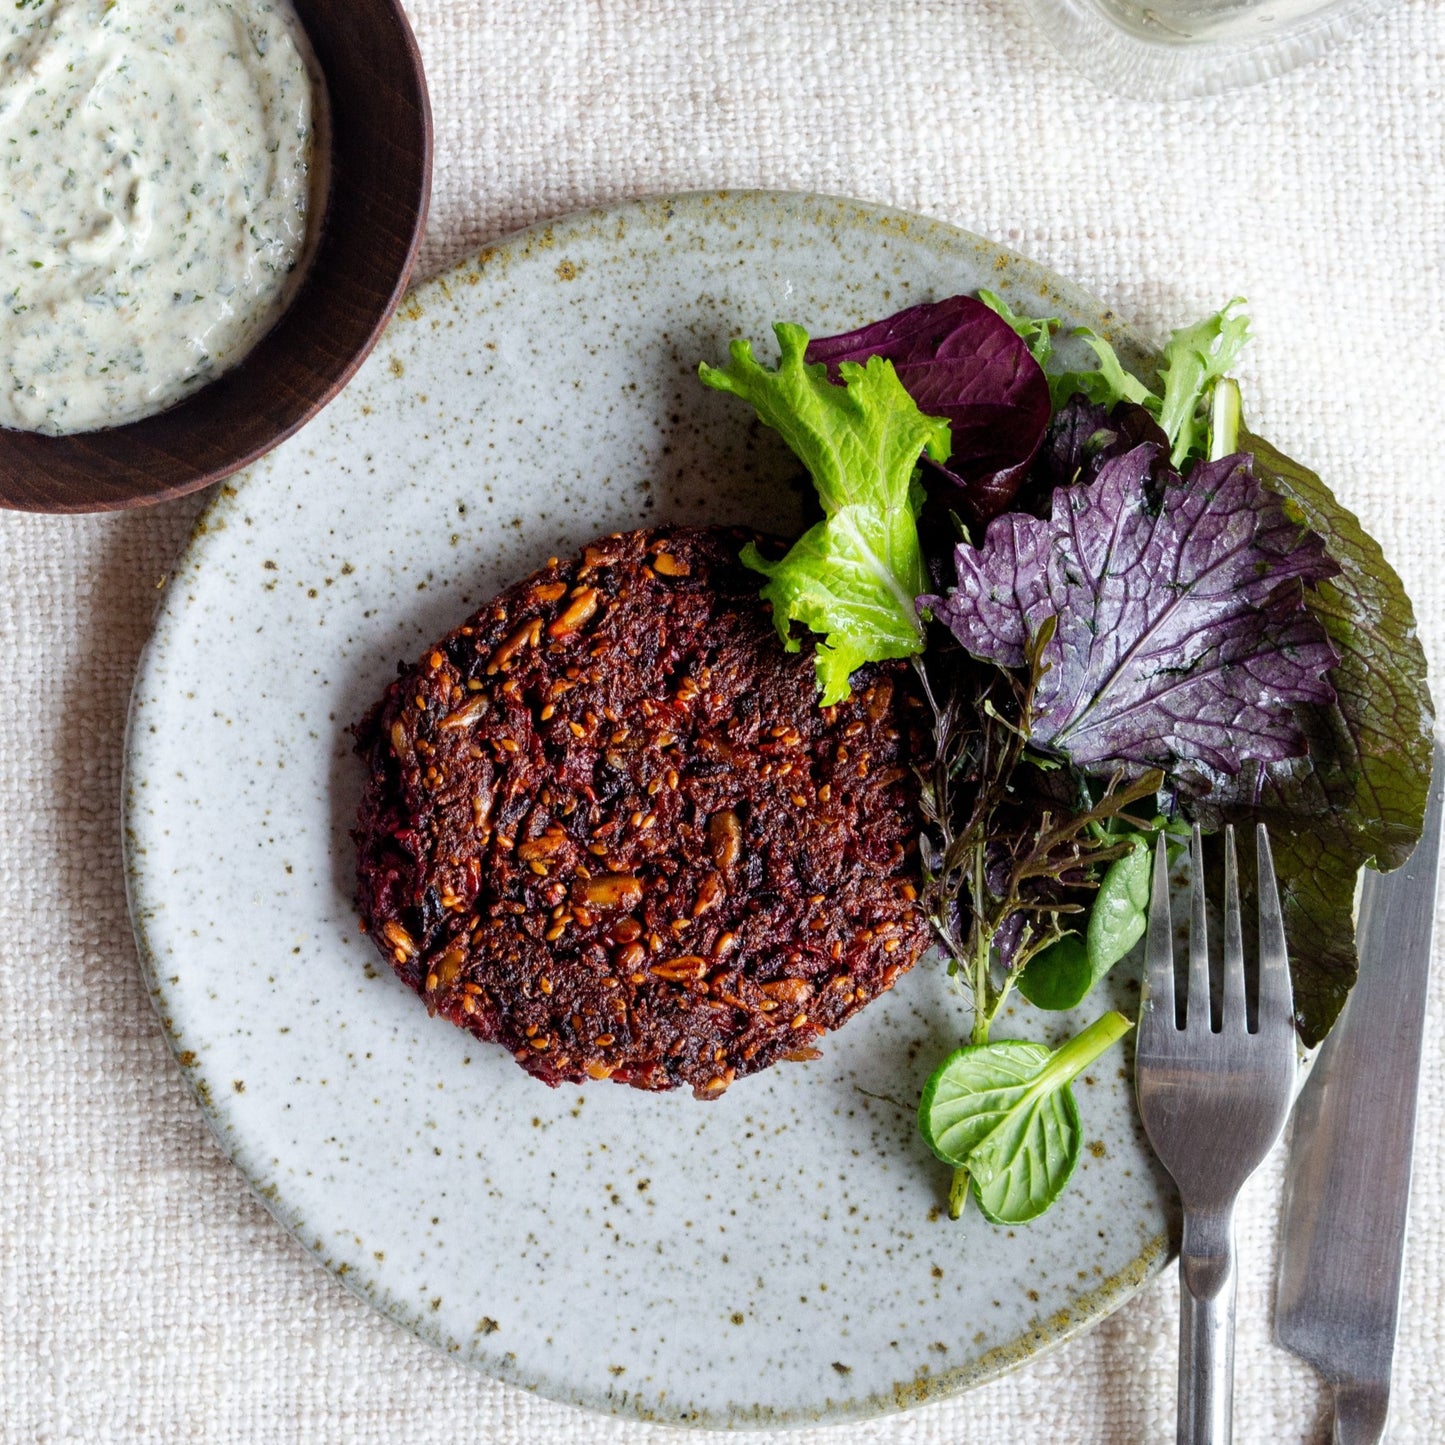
[1207, 1285]
[1360, 1411]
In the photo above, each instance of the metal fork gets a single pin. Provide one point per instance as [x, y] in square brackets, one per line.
[1213, 1101]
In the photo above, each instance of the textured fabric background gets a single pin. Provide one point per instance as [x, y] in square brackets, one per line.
[144, 1295]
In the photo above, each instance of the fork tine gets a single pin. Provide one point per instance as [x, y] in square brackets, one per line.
[1276, 999]
[1196, 1001]
[1158, 1011]
[1233, 1015]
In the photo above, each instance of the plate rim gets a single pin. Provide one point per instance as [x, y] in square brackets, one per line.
[1046, 1335]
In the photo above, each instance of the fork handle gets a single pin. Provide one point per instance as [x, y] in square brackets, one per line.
[1207, 1281]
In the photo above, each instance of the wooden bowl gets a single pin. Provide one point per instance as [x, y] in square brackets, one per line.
[376, 202]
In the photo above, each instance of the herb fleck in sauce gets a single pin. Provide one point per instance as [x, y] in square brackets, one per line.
[154, 199]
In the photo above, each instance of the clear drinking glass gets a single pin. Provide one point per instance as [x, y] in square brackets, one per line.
[1168, 49]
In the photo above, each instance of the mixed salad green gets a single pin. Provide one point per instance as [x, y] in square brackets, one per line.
[1128, 615]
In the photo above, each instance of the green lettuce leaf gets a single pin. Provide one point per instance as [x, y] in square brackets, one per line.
[1037, 335]
[853, 577]
[1110, 383]
[1195, 358]
[1360, 796]
[1192, 361]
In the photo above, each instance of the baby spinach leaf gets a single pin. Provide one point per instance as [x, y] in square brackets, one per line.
[1121, 909]
[1062, 976]
[1005, 1113]
[854, 576]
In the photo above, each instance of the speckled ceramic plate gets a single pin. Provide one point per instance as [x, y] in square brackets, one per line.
[780, 1256]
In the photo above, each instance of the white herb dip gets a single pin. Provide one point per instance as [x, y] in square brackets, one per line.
[154, 197]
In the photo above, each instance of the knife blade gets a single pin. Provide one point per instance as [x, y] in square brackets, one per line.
[1347, 1181]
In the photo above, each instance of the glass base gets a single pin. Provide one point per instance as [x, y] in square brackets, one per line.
[1175, 49]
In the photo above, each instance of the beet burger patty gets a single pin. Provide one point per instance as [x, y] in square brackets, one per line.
[607, 825]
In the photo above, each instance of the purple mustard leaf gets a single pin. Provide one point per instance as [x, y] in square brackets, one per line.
[1181, 633]
[1007, 939]
[1084, 435]
[960, 361]
[1079, 431]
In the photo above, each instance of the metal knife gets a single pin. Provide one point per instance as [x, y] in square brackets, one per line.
[1347, 1185]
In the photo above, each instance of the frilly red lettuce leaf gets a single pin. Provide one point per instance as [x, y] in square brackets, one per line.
[1181, 635]
[1360, 797]
[960, 361]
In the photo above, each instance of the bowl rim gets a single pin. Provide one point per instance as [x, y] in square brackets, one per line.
[56, 496]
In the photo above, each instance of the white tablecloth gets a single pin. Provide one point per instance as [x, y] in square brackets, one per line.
[144, 1294]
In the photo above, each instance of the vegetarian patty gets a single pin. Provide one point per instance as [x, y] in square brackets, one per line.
[607, 825]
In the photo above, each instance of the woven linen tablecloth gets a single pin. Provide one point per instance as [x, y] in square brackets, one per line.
[144, 1293]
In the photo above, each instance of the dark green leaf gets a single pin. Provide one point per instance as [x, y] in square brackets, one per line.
[1063, 975]
[1059, 977]
[1360, 798]
[1121, 910]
